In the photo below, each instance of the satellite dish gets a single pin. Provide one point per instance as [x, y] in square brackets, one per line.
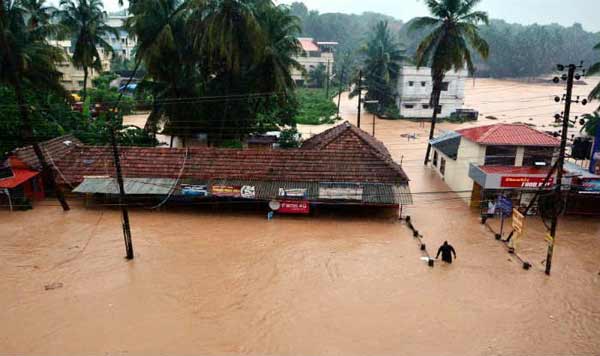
[274, 205]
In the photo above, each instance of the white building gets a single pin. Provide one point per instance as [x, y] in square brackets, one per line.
[72, 78]
[313, 54]
[508, 159]
[123, 45]
[414, 92]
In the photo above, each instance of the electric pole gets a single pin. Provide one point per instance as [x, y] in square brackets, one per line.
[570, 78]
[359, 97]
[340, 91]
[327, 85]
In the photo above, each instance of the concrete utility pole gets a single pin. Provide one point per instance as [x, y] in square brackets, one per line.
[372, 102]
[340, 91]
[327, 85]
[568, 98]
[359, 97]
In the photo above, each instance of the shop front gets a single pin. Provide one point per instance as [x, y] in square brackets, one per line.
[519, 184]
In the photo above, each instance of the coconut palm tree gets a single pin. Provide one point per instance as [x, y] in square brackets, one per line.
[383, 58]
[595, 69]
[592, 121]
[38, 12]
[85, 20]
[27, 60]
[453, 35]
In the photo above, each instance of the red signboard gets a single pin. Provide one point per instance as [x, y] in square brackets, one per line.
[294, 207]
[524, 182]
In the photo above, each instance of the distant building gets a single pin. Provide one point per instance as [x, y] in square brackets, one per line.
[313, 54]
[508, 159]
[73, 78]
[124, 43]
[414, 92]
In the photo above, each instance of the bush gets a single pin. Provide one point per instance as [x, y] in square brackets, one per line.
[289, 138]
[315, 108]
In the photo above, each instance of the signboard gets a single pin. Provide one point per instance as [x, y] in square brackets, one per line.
[194, 190]
[518, 221]
[234, 191]
[294, 207]
[524, 182]
[590, 186]
[292, 193]
[595, 163]
[353, 192]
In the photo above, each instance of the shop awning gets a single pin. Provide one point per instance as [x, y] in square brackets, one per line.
[19, 177]
[133, 186]
[510, 177]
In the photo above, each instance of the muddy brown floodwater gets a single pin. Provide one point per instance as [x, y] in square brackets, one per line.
[234, 283]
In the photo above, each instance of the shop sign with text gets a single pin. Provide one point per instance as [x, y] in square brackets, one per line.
[234, 191]
[524, 182]
[294, 207]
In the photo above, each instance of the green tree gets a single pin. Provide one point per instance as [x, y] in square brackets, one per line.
[27, 60]
[593, 70]
[453, 35]
[383, 59]
[317, 76]
[591, 123]
[85, 20]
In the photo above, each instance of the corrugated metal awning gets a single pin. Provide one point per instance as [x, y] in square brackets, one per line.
[133, 186]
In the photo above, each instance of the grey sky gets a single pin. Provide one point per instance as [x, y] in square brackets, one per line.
[564, 12]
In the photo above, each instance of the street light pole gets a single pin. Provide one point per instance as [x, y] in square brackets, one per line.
[359, 97]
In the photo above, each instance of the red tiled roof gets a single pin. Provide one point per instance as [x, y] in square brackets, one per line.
[308, 44]
[510, 135]
[331, 165]
[348, 137]
[52, 150]
[20, 175]
[514, 170]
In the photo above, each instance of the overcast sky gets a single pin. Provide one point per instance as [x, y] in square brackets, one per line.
[564, 12]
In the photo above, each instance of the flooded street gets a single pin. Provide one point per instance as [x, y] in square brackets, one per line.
[228, 283]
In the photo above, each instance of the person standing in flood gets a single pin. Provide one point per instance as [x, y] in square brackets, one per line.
[447, 251]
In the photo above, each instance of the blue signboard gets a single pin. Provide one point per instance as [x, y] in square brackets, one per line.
[595, 163]
[504, 206]
[194, 190]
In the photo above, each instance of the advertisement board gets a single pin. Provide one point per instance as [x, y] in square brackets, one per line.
[348, 192]
[595, 163]
[590, 186]
[524, 182]
[292, 192]
[194, 190]
[234, 191]
[294, 207]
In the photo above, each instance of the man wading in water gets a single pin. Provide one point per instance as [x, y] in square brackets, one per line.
[447, 251]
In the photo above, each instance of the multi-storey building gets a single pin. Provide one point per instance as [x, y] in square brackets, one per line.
[73, 77]
[414, 92]
[313, 54]
[124, 43]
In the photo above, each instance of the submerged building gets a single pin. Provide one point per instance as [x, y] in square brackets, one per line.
[414, 92]
[342, 166]
[314, 53]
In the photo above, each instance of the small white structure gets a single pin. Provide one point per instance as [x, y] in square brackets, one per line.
[414, 92]
[313, 54]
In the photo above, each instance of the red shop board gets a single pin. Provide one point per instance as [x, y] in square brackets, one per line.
[524, 182]
[294, 207]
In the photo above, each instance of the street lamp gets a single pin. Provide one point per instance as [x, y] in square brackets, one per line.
[372, 102]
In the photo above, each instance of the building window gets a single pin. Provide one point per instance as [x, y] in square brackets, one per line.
[124, 52]
[80, 83]
[443, 166]
[445, 86]
[500, 155]
[435, 158]
[439, 109]
[411, 83]
[423, 84]
[425, 106]
[538, 156]
[409, 106]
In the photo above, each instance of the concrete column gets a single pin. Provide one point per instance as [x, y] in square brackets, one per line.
[520, 156]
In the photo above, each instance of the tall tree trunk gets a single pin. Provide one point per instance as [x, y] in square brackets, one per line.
[85, 78]
[28, 136]
[438, 79]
